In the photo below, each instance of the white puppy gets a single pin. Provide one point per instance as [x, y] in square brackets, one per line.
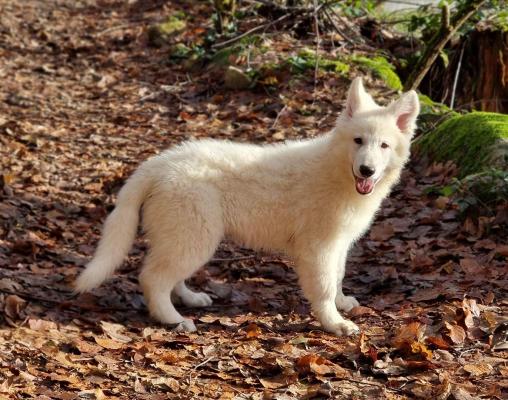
[310, 199]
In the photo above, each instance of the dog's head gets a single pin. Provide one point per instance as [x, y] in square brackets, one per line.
[377, 138]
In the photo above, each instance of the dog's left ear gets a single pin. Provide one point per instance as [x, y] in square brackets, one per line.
[406, 110]
[358, 99]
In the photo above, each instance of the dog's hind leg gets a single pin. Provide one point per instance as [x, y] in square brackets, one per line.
[191, 298]
[157, 286]
[184, 228]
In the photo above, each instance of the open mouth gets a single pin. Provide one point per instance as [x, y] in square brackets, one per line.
[364, 185]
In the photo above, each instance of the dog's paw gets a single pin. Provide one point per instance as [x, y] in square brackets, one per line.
[197, 299]
[187, 325]
[346, 303]
[345, 328]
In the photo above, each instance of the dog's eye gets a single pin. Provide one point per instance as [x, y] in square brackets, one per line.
[358, 140]
[384, 145]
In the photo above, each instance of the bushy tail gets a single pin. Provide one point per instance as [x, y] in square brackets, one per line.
[117, 235]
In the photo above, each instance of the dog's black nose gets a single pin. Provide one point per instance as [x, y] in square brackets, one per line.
[366, 171]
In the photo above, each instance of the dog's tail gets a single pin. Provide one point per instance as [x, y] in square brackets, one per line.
[118, 233]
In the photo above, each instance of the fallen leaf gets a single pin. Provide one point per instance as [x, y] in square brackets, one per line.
[455, 332]
[359, 311]
[253, 331]
[381, 232]
[502, 250]
[438, 341]
[41, 325]
[479, 369]
[114, 332]
[420, 349]
[312, 363]
[407, 334]
[14, 305]
[470, 266]
[500, 337]
[108, 343]
[366, 349]
[279, 381]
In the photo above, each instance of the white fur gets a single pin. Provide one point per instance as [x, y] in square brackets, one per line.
[298, 197]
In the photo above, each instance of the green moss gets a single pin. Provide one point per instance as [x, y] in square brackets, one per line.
[473, 141]
[382, 69]
[159, 33]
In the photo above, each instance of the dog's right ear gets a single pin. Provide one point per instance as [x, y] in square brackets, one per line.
[358, 99]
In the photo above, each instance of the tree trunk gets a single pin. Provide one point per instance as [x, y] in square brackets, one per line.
[482, 82]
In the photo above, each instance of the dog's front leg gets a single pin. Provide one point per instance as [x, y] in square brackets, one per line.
[318, 279]
[344, 303]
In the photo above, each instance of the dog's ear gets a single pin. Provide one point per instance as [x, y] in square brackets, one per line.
[358, 99]
[406, 110]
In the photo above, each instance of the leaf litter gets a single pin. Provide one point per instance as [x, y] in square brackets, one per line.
[82, 104]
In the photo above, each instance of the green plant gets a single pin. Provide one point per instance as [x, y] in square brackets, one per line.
[306, 59]
[382, 68]
[478, 193]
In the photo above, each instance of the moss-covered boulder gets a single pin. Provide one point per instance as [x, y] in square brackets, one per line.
[474, 141]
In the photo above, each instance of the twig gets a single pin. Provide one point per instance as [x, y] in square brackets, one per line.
[456, 78]
[116, 28]
[318, 42]
[250, 32]
[203, 363]
[336, 27]
[278, 116]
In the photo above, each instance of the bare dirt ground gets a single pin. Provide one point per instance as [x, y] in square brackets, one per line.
[84, 99]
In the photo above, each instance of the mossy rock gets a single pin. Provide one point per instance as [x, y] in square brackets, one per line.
[474, 142]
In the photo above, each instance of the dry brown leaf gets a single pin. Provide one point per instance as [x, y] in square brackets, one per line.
[279, 381]
[502, 250]
[407, 334]
[253, 331]
[41, 325]
[470, 266]
[456, 333]
[313, 363]
[479, 369]
[108, 343]
[469, 310]
[14, 305]
[361, 310]
[114, 331]
[420, 349]
[381, 232]
[438, 341]
[366, 349]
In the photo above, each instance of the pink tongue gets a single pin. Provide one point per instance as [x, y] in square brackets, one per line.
[364, 185]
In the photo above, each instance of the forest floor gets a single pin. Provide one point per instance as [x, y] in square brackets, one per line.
[83, 100]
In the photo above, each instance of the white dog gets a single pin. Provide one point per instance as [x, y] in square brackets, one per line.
[310, 199]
